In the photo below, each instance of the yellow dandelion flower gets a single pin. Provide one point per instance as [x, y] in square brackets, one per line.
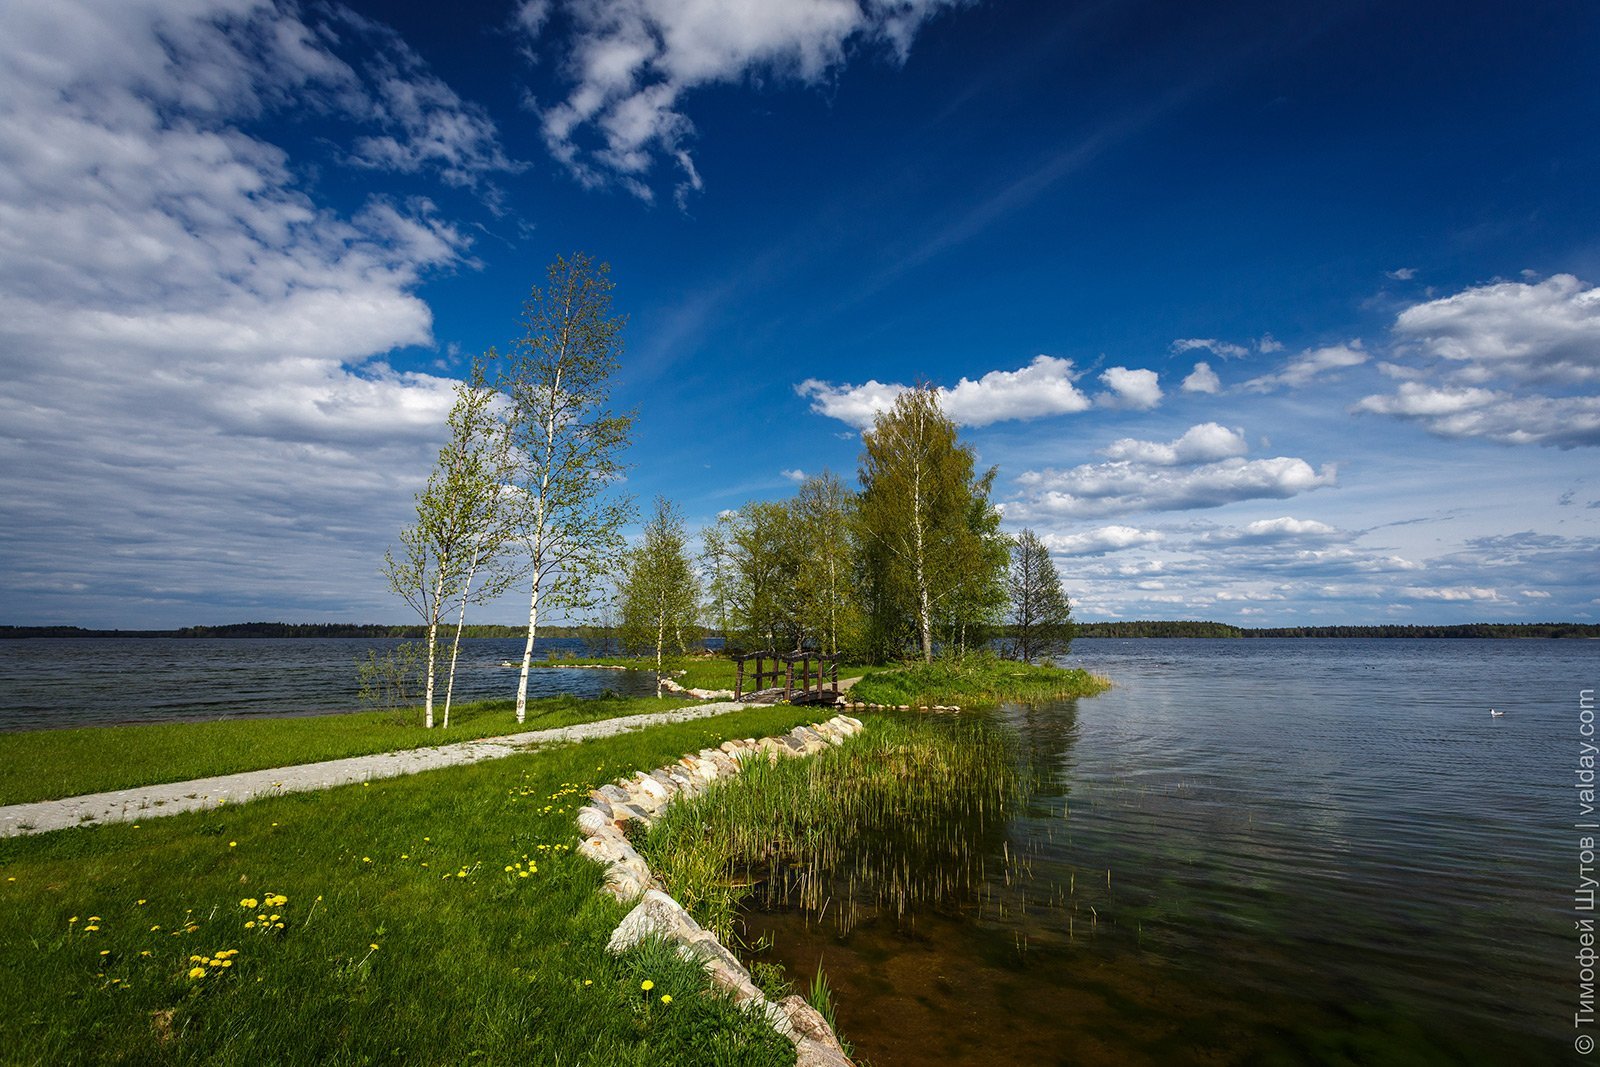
[274, 918]
[588, 981]
[105, 952]
[94, 918]
[233, 844]
[647, 985]
[373, 947]
[197, 972]
[146, 953]
[224, 963]
[141, 903]
[522, 874]
[91, 928]
[249, 902]
[277, 926]
[666, 998]
[153, 929]
[73, 919]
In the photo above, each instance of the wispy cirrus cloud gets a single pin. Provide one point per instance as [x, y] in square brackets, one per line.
[1309, 366]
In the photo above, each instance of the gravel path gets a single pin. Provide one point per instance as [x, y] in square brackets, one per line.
[149, 802]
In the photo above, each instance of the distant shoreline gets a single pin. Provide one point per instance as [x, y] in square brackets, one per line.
[1154, 629]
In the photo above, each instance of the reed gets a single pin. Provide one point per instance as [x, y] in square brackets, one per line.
[901, 816]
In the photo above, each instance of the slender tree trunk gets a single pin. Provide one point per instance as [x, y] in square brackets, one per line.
[427, 701]
[455, 645]
[527, 649]
[661, 637]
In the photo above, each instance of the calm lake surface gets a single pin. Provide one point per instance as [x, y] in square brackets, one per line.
[1255, 851]
[51, 682]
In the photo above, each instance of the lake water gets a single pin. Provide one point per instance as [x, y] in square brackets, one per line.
[1256, 851]
[50, 682]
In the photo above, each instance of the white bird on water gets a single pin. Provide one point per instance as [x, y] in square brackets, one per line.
[1496, 714]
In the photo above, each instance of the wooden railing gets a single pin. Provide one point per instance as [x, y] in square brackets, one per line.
[785, 665]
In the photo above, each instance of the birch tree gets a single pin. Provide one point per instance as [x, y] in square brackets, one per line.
[459, 529]
[920, 551]
[659, 593]
[716, 563]
[558, 379]
[1041, 623]
[827, 604]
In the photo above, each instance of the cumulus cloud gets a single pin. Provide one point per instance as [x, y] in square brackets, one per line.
[1548, 332]
[193, 405]
[797, 475]
[1202, 380]
[1204, 443]
[1045, 387]
[1309, 366]
[1273, 531]
[631, 62]
[1101, 541]
[1137, 389]
[1119, 488]
[1510, 362]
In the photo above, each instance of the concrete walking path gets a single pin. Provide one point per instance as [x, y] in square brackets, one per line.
[149, 802]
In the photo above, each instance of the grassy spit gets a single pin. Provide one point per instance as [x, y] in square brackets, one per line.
[700, 672]
[976, 678]
[48, 764]
[438, 918]
[899, 816]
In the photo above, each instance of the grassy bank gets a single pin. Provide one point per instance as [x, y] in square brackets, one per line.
[897, 817]
[700, 672]
[975, 679]
[439, 918]
[47, 764]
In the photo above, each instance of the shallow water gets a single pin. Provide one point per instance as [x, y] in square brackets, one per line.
[56, 682]
[1255, 852]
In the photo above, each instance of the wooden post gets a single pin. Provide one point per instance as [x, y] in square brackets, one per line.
[835, 662]
[788, 677]
[738, 684]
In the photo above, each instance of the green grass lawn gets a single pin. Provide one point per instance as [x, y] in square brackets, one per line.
[437, 918]
[974, 679]
[48, 764]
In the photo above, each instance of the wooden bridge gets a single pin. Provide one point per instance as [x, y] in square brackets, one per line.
[825, 692]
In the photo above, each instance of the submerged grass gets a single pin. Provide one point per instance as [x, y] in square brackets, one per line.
[975, 678]
[48, 764]
[438, 918]
[901, 815]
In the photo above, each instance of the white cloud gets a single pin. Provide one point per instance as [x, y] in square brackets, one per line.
[1510, 362]
[1402, 274]
[1308, 366]
[1220, 349]
[1263, 531]
[1204, 443]
[1548, 332]
[1137, 389]
[632, 62]
[1417, 592]
[797, 475]
[192, 403]
[1043, 388]
[1123, 487]
[1202, 380]
[1268, 344]
[1101, 541]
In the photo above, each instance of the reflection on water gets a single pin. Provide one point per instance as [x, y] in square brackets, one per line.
[1253, 852]
[54, 682]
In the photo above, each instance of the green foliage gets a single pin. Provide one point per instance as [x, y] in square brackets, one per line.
[1041, 618]
[827, 610]
[658, 594]
[931, 554]
[393, 679]
[491, 967]
[976, 678]
[558, 380]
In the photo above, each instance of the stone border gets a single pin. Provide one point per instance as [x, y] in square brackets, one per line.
[856, 705]
[642, 798]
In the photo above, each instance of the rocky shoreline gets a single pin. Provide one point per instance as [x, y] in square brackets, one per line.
[628, 878]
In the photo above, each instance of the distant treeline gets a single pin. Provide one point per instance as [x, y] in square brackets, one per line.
[286, 629]
[600, 633]
[1219, 629]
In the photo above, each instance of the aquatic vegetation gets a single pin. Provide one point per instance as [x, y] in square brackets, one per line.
[975, 678]
[902, 815]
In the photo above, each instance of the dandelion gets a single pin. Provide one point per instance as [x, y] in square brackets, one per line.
[249, 902]
[251, 925]
[146, 953]
[91, 928]
[647, 985]
[153, 929]
[73, 919]
[197, 972]
[373, 946]
[141, 903]
[588, 981]
[105, 952]
[233, 844]
[366, 859]
[666, 998]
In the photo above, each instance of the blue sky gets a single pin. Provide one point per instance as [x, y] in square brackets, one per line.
[1268, 313]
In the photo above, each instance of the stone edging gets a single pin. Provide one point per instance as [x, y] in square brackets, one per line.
[628, 877]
